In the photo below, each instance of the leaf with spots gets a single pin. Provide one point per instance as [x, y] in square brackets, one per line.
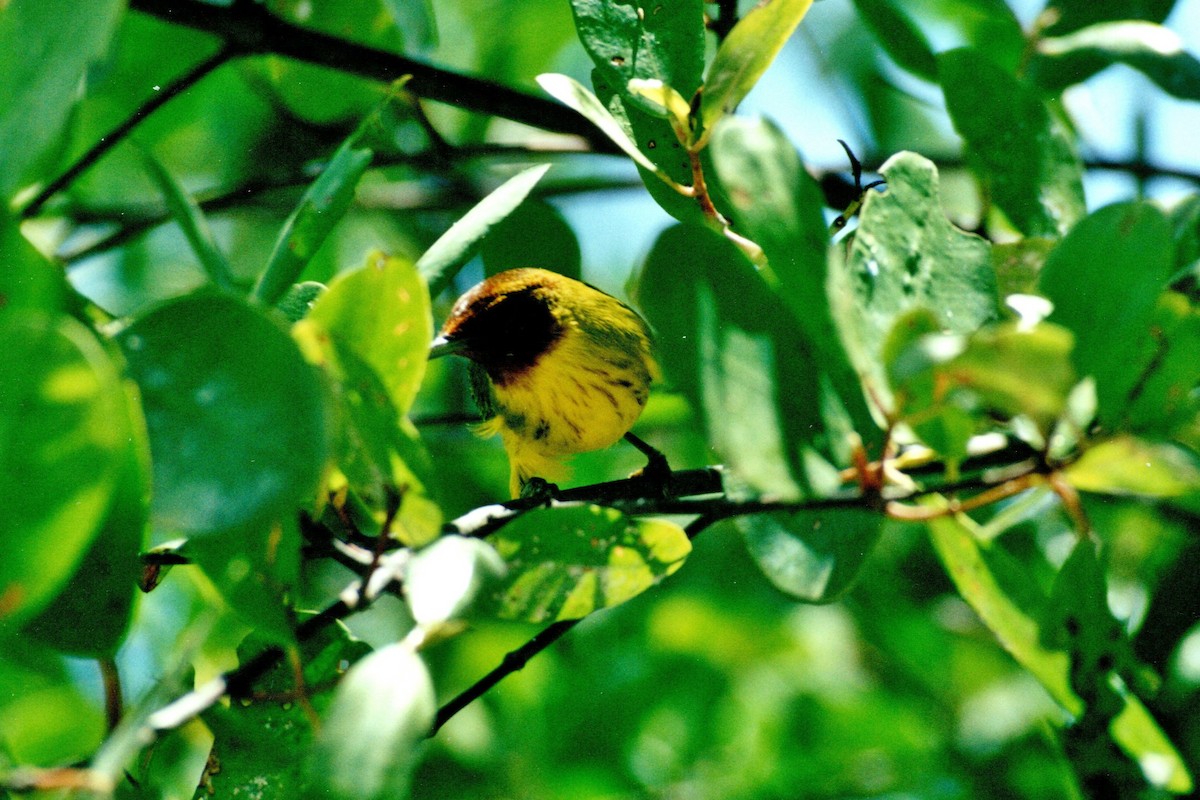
[906, 255]
[566, 562]
[381, 313]
[234, 414]
[653, 40]
[258, 741]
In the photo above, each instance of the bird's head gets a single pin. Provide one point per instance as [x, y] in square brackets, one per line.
[506, 323]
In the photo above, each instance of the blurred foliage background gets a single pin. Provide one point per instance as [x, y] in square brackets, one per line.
[713, 684]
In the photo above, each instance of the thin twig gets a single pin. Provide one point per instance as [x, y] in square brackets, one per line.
[118, 134]
[511, 663]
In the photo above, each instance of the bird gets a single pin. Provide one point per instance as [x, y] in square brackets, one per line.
[557, 367]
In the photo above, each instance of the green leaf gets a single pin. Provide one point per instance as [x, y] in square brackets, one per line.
[376, 450]
[255, 568]
[37, 100]
[443, 581]
[457, 246]
[92, 613]
[1127, 465]
[259, 741]
[745, 55]
[236, 423]
[1155, 51]
[416, 20]
[1012, 369]
[906, 255]
[187, 214]
[27, 279]
[1024, 156]
[381, 712]
[1103, 665]
[733, 349]
[1104, 280]
[44, 717]
[974, 568]
[1138, 734]
[1068, 16]
[1163, 398]
[534, 234]
[299, 300]
[774, 201]
[324, 203]
[913, 32]
[646, 40]
[381, 312]
[64, 434]
[573, 94]
[900, 36]
[667, 165]
[815, 556]
[565, 563]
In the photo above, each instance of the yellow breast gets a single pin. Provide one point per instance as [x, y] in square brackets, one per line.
[583, 394]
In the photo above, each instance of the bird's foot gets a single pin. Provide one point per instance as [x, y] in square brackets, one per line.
[657, 471]
[539, 490]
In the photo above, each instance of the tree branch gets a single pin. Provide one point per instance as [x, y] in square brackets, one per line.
[252, 28]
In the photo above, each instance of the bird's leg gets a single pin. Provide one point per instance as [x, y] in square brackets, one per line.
[657, 471]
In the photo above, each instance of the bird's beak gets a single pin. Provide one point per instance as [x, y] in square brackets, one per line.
[441, 346]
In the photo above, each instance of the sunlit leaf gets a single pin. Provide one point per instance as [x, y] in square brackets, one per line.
[37, 693]
[92, 613]
[381, 712]
[64, 434]
[443, 580]
[1024, 155]
[745, 55]
[457, 246]
[378, 451]
[1067, 16]
[381, 312]
[571, 93]
[974, 571]
[813, 556]
[1155, 51]
[1130, 466]
[565, 563]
